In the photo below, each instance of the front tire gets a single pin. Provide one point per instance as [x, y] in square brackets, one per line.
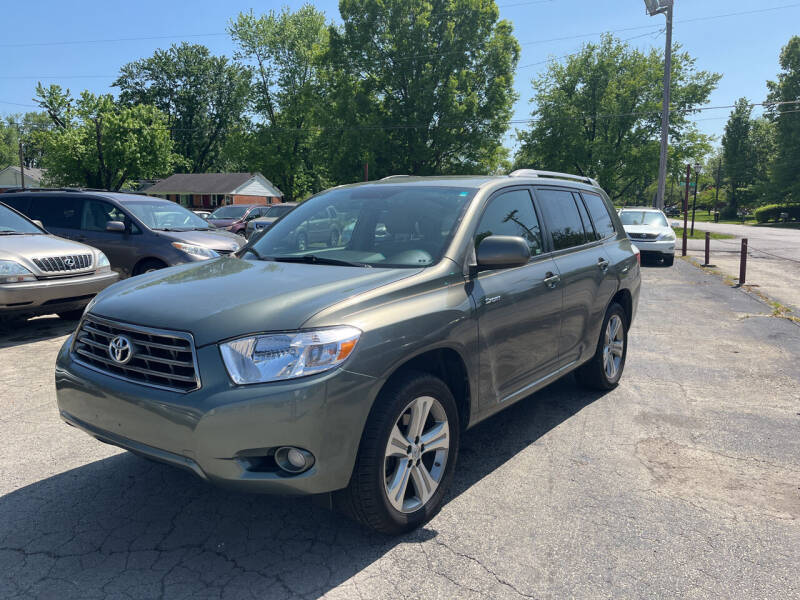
[604, 370]
[406, 458]
[669, 259]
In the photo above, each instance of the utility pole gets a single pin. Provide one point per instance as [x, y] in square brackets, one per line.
[656, 7]
[21, 165]
[366, 171]
[716, 192]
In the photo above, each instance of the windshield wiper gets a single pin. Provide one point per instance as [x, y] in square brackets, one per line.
[318, 260]
[168, 229]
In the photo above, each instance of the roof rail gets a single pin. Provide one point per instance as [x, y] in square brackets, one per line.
[55, 189]
[393, 177]
[555, 174]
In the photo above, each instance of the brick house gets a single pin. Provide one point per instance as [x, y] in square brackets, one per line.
[210, 190]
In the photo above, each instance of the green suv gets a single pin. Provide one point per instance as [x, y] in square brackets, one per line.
[351, 368]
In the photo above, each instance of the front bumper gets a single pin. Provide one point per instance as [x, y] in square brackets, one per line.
[46, 296]
[217, 431]
[655, 247]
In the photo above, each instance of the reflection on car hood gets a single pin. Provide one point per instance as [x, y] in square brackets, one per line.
[14, 247]
[229, 297]
[222, 222]
[264, 220]
[224, 241]
[644, 229]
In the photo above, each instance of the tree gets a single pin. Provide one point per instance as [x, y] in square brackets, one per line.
[286, 53]
[738, 154]
[99, 144]
[203, 96]
[787, 122]
[9, 143]
[598, 114]
[428, 85]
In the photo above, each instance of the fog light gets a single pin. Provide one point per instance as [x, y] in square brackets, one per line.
[293, 460]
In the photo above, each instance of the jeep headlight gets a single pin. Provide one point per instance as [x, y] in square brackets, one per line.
[194, 250]
[13, 272]
[279, 356]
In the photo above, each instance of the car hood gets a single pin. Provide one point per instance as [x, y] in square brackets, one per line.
[229, 297]
[645, 229]
[16, 247]
[222, 222]
[224, 241]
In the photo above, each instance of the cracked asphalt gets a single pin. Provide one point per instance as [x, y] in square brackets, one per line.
[682, 482]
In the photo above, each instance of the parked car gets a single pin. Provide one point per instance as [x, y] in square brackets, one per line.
[649, 229]
[352, 369]
[138, 233]
[234, 217]
[43, 274]
[272, 214]
[672, 211]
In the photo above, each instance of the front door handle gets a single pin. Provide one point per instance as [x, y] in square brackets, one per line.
[602, 263]
[551, 280]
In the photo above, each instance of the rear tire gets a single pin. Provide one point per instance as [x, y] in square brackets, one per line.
[669, 259]
[604, 370]
[382, 466]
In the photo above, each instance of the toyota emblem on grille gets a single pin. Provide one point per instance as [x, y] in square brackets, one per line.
[69, 262]
[120, 349]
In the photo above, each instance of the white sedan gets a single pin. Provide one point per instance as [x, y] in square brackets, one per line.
[649, 230]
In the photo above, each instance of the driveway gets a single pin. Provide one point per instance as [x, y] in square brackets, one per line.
[682, 482]
[773, 257]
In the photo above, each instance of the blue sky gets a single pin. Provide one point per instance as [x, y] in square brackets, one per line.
[744, 48]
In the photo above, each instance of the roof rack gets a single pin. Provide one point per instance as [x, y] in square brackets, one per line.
[64, 189]
[554, 174]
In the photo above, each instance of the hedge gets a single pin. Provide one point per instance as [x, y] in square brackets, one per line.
[772, 212]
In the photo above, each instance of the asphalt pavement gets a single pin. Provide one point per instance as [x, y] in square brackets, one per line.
[773, 264]
[682, 482]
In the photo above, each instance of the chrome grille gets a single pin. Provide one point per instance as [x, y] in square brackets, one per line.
[643, 236]
[158, 358]
[71, 262]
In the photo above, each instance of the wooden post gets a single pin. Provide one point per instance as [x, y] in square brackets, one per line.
[743, 263]
[686, 206]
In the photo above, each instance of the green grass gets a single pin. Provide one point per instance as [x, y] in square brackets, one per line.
[704, 217]
[699, 234]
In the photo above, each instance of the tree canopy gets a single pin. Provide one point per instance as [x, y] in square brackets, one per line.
[204, 98]
[599, 114]
[786, 90]
[98, 143]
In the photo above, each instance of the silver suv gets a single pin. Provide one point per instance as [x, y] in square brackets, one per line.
[42, 274]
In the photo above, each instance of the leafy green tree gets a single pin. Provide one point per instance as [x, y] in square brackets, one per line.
[430, 88]
[100, 144]
[599, 114]
[9, 143]
[787, 122]
[738, 152]
[203, 96]
[285, 51]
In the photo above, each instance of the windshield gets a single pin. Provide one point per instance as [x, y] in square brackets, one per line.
[278, 211]
[12, 223]
[166, 215]
[643, 217]
[229, 212]
[376, 225]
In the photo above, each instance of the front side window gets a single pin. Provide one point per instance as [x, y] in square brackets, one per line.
[599, 212]
[375, 225]
[11, 223]
[562, 218]
[96, 215]
[166, 216]
[512, 214]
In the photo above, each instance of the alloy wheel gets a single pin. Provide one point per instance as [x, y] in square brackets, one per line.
[416, 454]
[613, 346]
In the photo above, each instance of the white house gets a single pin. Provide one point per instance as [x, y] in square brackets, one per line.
[10, 178]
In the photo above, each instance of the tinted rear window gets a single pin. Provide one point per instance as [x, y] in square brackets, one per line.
[57, 211]
[599, 212]
[562, 218]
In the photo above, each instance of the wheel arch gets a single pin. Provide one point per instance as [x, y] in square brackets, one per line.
[624, 298]
[141, 261]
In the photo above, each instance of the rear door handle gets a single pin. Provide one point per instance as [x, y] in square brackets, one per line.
[602, 263]
[551, 280]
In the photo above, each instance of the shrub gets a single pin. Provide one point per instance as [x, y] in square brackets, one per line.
[772, 212]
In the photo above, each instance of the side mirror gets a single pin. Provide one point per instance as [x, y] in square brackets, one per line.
[38, 223]
[502, 251]
[116, 226]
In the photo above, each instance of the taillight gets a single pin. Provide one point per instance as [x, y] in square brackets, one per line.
[638, 254]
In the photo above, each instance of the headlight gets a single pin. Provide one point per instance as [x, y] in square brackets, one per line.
[263, 358]
[13, 272]
[102, 262]
[670, 235]
[199, 251]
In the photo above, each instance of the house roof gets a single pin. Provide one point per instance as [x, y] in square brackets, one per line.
[202, 183]
[32, 172]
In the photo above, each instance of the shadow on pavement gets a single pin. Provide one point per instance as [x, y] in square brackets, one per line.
[19, 331]
[123, 524]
